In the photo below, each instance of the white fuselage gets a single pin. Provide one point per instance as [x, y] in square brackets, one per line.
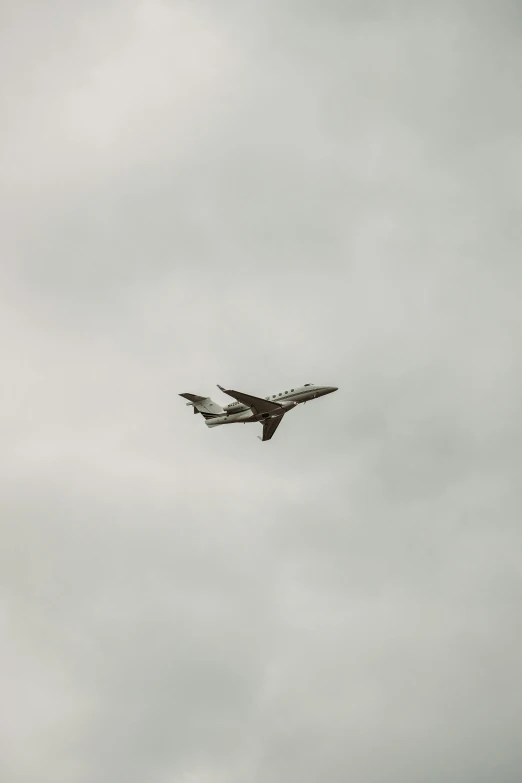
[238, 413]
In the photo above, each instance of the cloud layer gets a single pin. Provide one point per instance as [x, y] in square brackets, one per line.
[260, 194]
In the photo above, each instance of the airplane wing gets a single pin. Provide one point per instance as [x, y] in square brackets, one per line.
[258, 404]
[270, 426]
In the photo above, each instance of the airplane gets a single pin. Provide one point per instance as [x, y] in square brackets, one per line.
[247, 408]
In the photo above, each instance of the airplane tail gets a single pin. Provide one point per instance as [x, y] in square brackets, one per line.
[204, 405]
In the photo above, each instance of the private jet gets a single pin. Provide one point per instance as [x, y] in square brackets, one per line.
[269, 411]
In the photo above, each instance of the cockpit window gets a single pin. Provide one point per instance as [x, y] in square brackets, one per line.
[308, 384]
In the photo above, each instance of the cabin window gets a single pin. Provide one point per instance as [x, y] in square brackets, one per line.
[286, 392]
[280, 394]
[292, 389]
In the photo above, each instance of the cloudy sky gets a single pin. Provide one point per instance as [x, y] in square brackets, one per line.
[260, 194]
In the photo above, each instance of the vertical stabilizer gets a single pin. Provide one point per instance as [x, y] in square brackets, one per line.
[204, 405]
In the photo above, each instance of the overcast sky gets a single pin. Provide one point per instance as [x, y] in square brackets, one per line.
[260, 194]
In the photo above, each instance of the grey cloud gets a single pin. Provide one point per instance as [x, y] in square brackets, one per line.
[260, 195]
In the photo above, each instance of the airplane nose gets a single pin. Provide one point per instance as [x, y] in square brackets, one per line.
[333, 388]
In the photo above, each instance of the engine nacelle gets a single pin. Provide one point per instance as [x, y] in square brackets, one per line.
[235, 407]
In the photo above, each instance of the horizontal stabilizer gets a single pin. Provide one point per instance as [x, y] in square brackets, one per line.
[192, 397]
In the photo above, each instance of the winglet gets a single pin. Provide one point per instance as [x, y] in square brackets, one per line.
[220, 387]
